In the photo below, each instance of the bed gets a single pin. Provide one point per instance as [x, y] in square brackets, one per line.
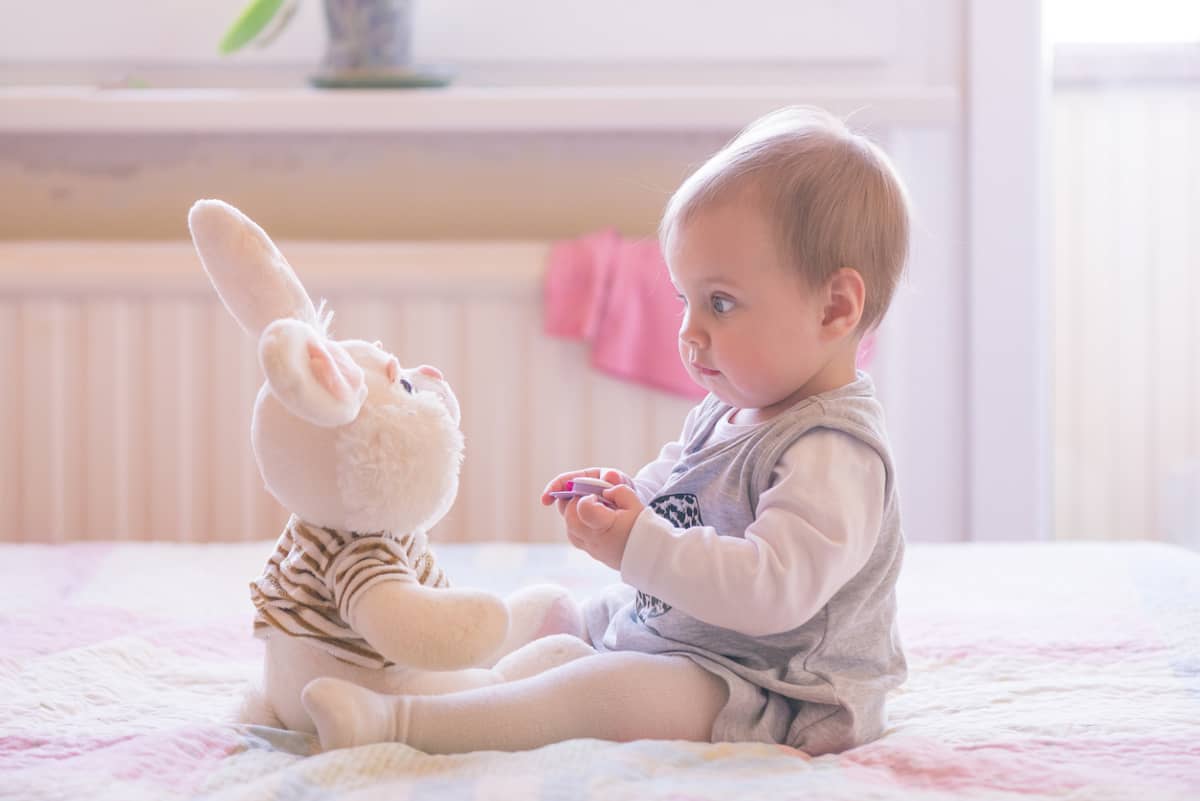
[1036, 671]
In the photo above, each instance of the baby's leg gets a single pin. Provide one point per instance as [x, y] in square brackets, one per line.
[618, 696]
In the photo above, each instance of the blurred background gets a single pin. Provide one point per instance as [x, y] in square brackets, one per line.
[1041, 364]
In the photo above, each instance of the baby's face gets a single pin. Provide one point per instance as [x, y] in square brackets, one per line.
[751, 328]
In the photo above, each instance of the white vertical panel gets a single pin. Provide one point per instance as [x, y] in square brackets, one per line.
[1132, 275]
[1097, 310]
[1005, 328]
[195, 466]
[50, 442]
[382, 322]
[620, 422]
[358, 316]
[559, 409]
[667, 413]
[528, 478]
[107, 370]
[1067, 188]
[1189, 161]
[229, 422]
[160, 378]
[1173, 292]
[38, 331]
[68, 382]
[178, 469]
[11, 422]
[496, 439]
[922, 362]
[139, 398]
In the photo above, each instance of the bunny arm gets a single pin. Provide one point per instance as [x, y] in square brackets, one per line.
[430, 628]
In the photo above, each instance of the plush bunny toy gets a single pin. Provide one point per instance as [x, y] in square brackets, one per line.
[365, 454]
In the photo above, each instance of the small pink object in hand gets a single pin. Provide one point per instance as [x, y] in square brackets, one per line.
[578, 487]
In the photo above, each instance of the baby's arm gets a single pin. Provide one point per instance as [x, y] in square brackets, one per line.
[816, 527]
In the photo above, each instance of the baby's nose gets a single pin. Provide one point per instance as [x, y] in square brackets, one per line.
[431, 371]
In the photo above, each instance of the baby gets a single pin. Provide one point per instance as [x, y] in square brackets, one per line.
[760, 550]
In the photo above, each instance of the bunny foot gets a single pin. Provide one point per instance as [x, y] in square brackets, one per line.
[347, 715]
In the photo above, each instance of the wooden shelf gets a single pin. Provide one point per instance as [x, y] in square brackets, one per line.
[487, 268]
[528, 109]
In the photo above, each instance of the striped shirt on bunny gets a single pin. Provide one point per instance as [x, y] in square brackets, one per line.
[316, 573]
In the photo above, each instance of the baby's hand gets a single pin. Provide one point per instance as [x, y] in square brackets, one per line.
[602, 531]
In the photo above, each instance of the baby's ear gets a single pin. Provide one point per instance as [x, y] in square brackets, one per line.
[313, 377]
[248, 271]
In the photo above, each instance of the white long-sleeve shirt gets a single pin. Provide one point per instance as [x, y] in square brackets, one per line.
[815, 527]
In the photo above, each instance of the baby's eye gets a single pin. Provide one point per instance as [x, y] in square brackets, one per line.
[722, 304]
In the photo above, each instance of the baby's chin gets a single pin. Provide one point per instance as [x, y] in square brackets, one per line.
[724, 393]
[720, 386]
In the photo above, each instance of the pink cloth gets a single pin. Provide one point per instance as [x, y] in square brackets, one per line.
[615, 294]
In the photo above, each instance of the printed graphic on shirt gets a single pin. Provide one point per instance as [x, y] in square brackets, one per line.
[682, 511]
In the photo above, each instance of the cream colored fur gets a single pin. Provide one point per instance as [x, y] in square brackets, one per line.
[348, 439]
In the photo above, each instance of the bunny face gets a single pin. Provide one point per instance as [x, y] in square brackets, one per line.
[393, 467]
[344, 436]
[385, 376]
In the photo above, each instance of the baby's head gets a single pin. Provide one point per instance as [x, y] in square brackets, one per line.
[831, 197]
[785, 247]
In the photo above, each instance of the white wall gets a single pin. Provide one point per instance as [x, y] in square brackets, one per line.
[186, 31]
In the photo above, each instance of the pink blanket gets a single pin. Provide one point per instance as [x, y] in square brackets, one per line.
[1048, 671]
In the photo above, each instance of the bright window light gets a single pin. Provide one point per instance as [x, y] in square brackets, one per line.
[1127, 21]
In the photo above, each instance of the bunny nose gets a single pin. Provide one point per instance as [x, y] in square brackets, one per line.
[430, 371]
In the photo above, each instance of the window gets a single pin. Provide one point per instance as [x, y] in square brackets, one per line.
[1122, 21]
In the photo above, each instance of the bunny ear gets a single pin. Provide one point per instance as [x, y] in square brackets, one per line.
[313, 377]
[248, 271]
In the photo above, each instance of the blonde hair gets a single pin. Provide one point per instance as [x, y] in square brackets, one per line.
[833, 196]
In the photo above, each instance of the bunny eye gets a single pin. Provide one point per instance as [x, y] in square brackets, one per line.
[408, 387]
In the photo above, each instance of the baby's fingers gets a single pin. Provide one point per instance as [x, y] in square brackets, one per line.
[558, 483]
[613, 476]
[622, 496]
[594, 514]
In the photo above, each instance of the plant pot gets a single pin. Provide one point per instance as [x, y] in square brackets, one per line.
[370, 45]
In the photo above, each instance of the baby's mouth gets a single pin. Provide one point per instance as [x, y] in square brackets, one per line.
[704, 370]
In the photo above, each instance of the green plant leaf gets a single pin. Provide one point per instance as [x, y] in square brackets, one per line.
[253, 19]
[282, 18]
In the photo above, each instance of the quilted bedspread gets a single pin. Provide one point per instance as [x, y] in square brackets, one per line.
[1037, 671]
